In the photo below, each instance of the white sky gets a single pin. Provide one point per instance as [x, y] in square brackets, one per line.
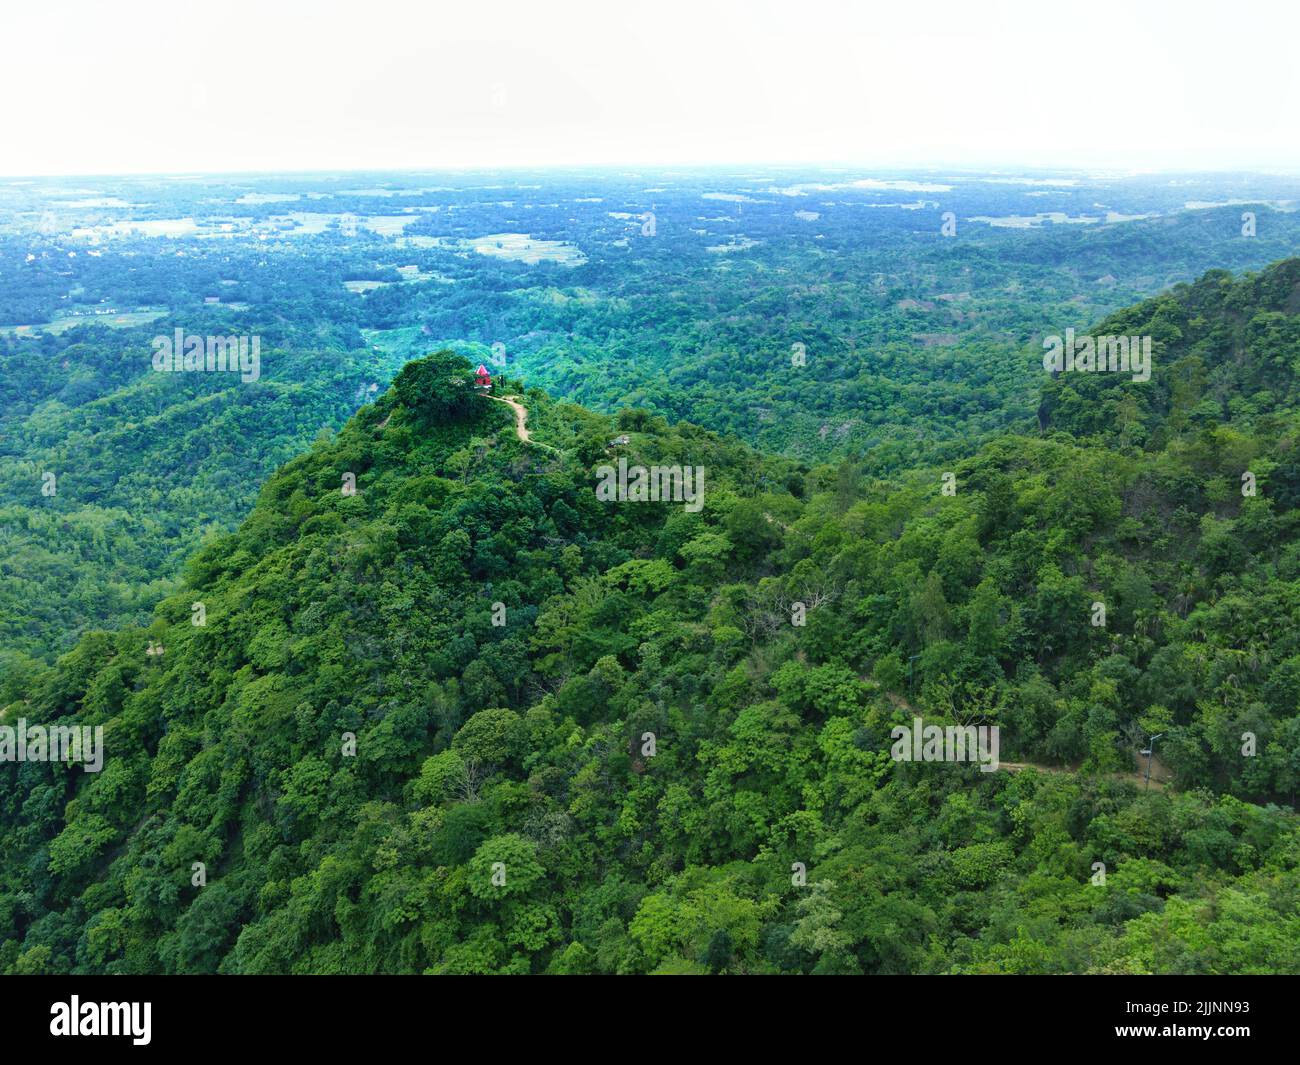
[138, 86]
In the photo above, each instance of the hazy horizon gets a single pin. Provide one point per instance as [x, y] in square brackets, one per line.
[730, 168]
[1081, 87]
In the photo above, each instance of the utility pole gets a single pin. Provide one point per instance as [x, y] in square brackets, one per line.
[910, 660]
[1149, 751]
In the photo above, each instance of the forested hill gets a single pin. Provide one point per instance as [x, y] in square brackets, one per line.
[1228, 354]
[813, 315]
[471, 718]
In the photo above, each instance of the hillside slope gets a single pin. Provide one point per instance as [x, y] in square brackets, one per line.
[863, 334]
[473, 719]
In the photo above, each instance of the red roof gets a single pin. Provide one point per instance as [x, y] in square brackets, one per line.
[482, 371]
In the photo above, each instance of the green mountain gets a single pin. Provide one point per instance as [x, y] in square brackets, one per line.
[860, 331]
[473, 717]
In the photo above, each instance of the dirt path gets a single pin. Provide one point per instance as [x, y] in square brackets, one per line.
[521, 416]
[521, 421]
[1159, 775]
[1016, 767]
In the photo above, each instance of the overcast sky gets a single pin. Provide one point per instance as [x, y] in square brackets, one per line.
[155, 87]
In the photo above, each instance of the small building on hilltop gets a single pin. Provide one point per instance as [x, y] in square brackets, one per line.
[482, 379]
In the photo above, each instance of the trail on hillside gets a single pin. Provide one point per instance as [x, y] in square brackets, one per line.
[1160, 774]
[521, 416]
[521, 422]
[1158, 781]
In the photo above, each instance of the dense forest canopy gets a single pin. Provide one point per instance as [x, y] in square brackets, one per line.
[813, 314]
[434, 707]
